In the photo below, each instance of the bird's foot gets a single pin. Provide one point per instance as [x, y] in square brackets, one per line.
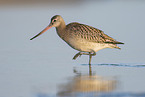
[85, 53]
[78, 54]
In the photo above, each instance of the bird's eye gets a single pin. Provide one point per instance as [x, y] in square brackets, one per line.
[54, 20]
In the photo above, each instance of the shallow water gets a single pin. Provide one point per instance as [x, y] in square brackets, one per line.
[91, 84]
[120, 65]
[44, 67]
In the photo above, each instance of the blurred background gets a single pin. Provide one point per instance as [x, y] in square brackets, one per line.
[44, 67]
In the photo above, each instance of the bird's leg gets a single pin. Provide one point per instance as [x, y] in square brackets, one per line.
[90, 57]
[90, 70]
[79, 54]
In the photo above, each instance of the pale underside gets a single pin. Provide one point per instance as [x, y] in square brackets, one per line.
[87, 46]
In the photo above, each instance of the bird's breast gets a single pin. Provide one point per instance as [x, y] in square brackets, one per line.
[86, 46]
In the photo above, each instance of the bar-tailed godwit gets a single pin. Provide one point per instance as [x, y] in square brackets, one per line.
[86, 39]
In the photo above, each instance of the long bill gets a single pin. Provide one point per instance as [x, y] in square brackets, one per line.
[48, 27]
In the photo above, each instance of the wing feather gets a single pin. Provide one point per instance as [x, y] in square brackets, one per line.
[90, 33]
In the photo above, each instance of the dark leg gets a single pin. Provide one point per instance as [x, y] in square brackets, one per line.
[85, 53]
[90, 70]
[90, 56]
[90, 67]
[80, 53]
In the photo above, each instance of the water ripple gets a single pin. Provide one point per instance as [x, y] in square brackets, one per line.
[120, 64]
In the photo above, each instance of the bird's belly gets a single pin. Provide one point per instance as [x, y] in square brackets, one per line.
[86, 46]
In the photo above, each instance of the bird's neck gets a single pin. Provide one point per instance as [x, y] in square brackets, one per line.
[61, 29]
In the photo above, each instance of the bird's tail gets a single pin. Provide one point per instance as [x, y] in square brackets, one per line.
[114, 42]
[117, 47]
[114, 46]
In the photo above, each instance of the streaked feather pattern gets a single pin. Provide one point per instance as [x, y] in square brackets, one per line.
[90, 33]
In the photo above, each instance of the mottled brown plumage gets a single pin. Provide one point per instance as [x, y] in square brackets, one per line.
[90, 33]
[86, 39]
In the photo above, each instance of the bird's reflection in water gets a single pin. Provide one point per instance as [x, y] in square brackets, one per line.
[86, 84]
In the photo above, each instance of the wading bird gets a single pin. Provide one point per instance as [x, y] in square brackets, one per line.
[86, 39]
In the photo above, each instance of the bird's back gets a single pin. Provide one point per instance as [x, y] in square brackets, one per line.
[90, 33]
[87, 38]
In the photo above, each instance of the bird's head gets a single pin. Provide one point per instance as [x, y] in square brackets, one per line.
[55, 22]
